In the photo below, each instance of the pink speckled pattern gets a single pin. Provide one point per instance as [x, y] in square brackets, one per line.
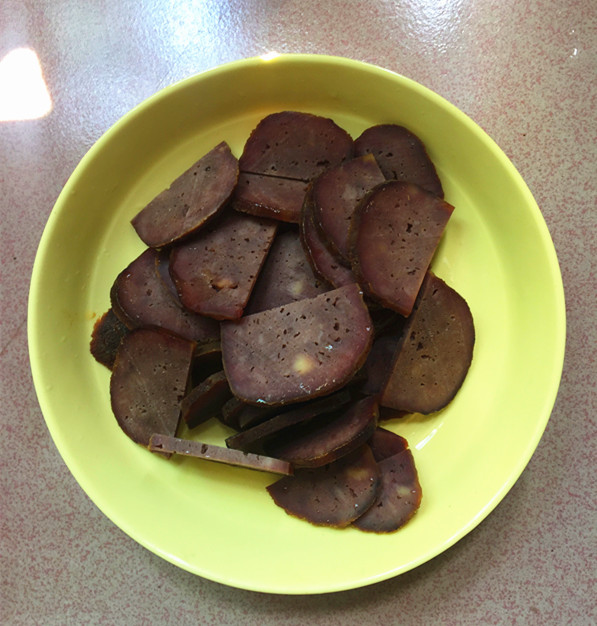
[526, 72]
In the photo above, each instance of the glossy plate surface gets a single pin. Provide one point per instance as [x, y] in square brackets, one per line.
[218, 521]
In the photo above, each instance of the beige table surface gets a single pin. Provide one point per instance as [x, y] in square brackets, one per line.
[526, 71]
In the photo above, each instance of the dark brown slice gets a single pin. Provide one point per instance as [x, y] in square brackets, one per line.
[287, 275]
[190, 201]
[331, 495]
[148, 381]
[400, 495]
[325, 264]
[295, 145]
[323, 441]
[435, 352]
[394, 234]
[141, 299]
[336, 194]
[207, 360]
[401, 155]
[270, 196]
[299, 351]
[218, 454]
[106, 336]
[215, 272]
[255, 438]
[205, 400]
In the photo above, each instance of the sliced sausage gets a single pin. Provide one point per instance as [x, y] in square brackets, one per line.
[207, 360]
[148, 381]
[218, 454]
[255, 438]
[331, 495]
[295, 145]
[335, 196]
[326, 265]
[270, 196]
[106, 336]
[401, 155]
[322, 441]
[299, 351]
[215, 272]
[141, 299]
[287, 276]
[435, 352]
[400, 495]
[205, 400]
[191, 200]
[394, 234]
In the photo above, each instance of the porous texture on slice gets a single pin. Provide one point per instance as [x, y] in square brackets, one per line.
[205, 400]
[331, 495]
[106, 336]
[336, 194]
[148, 381]
[434, 353]
[400, 495]
[326, 265]
[394, 234]
[298, 351]
[323, 441]
[191, 200]
[215, 272]
[269, 196]
[218, 454]
[295, 145]
[401, 155]
[142, 299]
[287, 275]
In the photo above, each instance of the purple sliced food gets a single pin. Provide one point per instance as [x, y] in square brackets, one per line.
[141, 299]
[215, 272]
[106, 336]
[207, 360]
[254, 438]
[299, 351]
[394, 234]
[325, 264]
[335, 196]
[205, 400]
[295, 145]
[376, 368]
[322, 441]
[435, 351]
[270, 196]
[400, 495]
[148, 381]
[162, 267]
[191, 200]
[331, 495]
[384, 443]
[218, 454]
[401, 155]
[287, 275]
[230, 412]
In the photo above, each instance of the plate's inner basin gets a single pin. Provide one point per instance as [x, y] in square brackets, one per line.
[219, 521]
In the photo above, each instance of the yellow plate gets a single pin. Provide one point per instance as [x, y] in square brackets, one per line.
[218, 521]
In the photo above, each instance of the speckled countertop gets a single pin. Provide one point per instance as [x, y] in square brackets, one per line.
[524, 71]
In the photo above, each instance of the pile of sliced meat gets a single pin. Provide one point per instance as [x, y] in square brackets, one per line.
[288, 294]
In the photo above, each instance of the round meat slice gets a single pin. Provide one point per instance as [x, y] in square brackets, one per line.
[149, 379]
[287, 275]
[323, 441]
[336, 194]
[401, 155]
[394, 234]
[295, 145]
[299, 351]
[142, 299]
[399, 497]
[192, 199]
[332, 495]
[205, 400]
[434, 352]
[107, 334]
